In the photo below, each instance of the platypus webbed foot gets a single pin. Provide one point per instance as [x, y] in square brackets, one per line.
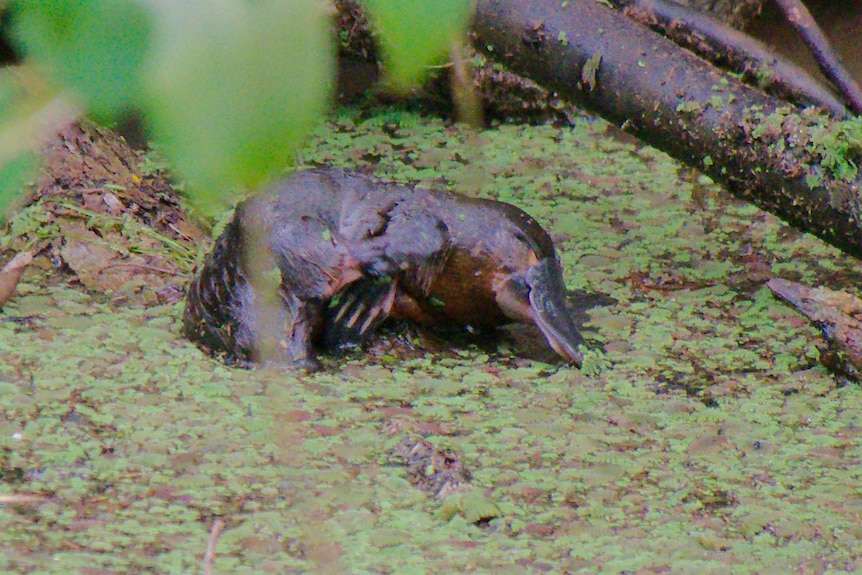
[352, 318]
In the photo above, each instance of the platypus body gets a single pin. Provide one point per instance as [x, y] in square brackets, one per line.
[349, 251]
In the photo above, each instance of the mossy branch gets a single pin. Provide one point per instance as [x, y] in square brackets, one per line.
[801, 166]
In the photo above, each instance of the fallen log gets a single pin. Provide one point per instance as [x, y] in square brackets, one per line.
[799, 165]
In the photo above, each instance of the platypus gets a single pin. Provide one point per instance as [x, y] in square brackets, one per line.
[348, 251]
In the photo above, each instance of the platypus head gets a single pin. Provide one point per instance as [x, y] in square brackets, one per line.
[537, 295]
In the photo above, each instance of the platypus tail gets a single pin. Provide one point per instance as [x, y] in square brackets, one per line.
[209, 317]
[548, 306]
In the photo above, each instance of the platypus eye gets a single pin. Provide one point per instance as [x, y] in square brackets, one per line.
[518, 286]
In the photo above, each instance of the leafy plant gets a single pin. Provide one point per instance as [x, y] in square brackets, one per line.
[228, 88]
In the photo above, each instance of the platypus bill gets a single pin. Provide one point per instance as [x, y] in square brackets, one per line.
[352, 251]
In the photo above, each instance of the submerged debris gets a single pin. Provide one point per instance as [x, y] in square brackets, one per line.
[438, 472]
[837, 314]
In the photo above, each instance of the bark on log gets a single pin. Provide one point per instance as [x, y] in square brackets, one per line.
[800, 167]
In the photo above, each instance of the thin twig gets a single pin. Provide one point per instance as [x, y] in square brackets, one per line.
[21, 499]
[147, 268]
[826, 57]
[729, 48]
[186, 251]
[209, 556]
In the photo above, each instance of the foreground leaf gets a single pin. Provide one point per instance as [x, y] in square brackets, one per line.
[96, 47]
[416, 34]
[236, 87]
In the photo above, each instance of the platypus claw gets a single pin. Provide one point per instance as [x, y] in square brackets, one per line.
[365, 305]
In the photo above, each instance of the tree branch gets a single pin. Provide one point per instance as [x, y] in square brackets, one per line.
[827, 59]
[801, 167]
[729, 48]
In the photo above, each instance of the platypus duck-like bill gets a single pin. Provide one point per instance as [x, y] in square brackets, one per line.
[352, 252]
[544, 306]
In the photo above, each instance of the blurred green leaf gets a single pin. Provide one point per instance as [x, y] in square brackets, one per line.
[236, 86]
[13, 176]
[96, 47]
[417, 33]
[229, 88]
[24, 110]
